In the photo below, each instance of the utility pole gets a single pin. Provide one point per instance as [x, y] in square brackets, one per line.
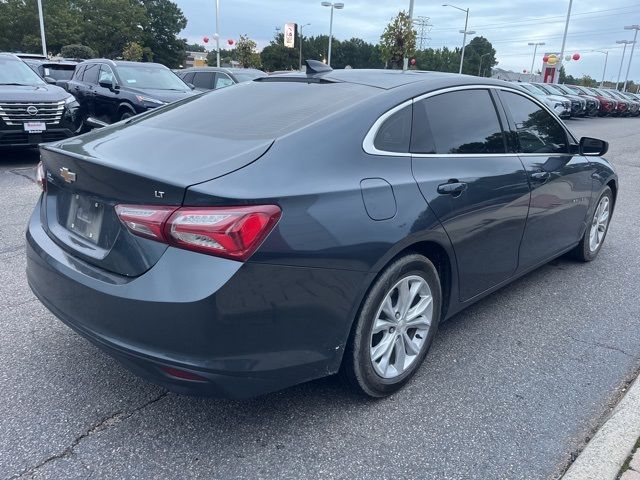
[633, 46]
[42, 37]
[465, 31]
[337, 6]
[301, 37]
[423, 28]
[405, 60]
[564, 42]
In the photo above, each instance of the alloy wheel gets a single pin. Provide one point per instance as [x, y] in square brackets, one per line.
[401, 326]
[599, 224]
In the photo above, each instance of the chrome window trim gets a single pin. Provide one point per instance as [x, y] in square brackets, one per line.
[369, 147]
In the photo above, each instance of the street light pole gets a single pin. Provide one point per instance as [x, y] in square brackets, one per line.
[533, 60]
[633, 46]
[405, 60]
[606, 58]
[337, 6]
[564, 41]
[42, 37]
[464, 32]
[218, 33]
[301, 27]
[624, 50]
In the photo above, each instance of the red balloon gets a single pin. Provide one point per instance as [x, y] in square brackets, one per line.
[231, 41]
[205, 39]
[576, 56]
[545, 58]
[524, 71]
[413, 61]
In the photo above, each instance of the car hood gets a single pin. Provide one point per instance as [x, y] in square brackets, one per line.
[164, 95]
[32, 93]
[557, 98]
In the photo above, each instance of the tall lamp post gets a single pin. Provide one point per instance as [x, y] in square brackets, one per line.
[337, 6]
[405, 60]
[533, 60]
[606, 58]
[624, 50]
[564, 42]
[217, 33]
[465, 32]
[44, 41]
[633, 47]
[301, 27]
[481, 57]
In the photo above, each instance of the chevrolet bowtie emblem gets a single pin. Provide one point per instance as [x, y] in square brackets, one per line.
[67, 175]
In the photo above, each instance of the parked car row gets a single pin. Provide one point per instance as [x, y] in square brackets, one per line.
[579, 101]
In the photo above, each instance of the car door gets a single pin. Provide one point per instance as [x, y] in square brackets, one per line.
[88, 86]
[479, 192]
[106, 100]
[560, 181]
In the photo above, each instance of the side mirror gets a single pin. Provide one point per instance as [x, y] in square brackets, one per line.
[50, 81]
[191, 86]
[593, 147]
[111, 85]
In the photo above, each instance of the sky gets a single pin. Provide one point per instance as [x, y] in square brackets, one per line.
[508, 24]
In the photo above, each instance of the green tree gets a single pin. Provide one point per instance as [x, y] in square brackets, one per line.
[479, 49]
[194, 47]
[398, 40]
[77, 51]
[162, 22]
[132, 51]
[246, 51]
[276, 56]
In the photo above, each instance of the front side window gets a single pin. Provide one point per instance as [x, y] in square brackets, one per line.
[91, 73]
[203, 80]
[536, 129]
[223, 80]
[106, 75]
[395, 133]
[460, 122]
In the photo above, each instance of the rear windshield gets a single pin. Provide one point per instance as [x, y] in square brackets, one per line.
[59, 72]
[16, 72]
[263, 110]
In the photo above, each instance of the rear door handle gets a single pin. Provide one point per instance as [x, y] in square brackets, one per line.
[540, 176]
[452, 188]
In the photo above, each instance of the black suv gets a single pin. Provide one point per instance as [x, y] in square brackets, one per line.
[32, 111]
[56, 72]
[212, 78]
[111, 91]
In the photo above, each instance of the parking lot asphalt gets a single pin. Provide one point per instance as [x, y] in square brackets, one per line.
[512, 387]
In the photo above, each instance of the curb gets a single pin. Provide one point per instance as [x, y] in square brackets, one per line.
[610, 447]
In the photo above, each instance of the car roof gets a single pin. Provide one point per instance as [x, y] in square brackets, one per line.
[9, 56]
[218, 69]
[117, 63]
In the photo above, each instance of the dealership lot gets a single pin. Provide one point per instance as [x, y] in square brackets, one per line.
[511, 389]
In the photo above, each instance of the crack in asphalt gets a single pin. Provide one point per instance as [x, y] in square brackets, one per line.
[602, 345]
[27, 172]
[99, 426]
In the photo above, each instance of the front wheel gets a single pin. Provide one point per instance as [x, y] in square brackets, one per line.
[395, 327]
[596, 231]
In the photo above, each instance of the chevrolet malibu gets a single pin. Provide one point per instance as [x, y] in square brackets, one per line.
[302, 225]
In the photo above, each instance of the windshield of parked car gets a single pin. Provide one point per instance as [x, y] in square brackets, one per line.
[578, 90]
[248, 76]
[16, 72]
[550, 89]
[532, 89]
[564, 89]
[604, 93]
[151, 77]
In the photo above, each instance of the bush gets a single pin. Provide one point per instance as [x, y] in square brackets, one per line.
[77, 51]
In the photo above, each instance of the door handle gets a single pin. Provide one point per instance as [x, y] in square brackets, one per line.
[452, 188]
[540, 176]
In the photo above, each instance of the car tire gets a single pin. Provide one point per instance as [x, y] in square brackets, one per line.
[597, 228]
[126, 115]
[404, 341]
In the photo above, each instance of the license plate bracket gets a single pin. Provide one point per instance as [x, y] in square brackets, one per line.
[35, 127]
[85, 217]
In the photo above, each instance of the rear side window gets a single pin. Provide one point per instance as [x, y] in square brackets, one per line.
[223, 80]
[463, 122]
[537, 130]
[395, 133]
[78, 73]
[91, 73]
[187, 77]
[203, 80]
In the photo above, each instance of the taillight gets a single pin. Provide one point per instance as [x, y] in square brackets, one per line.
[231, 232]
[145, 220]
[41, 177]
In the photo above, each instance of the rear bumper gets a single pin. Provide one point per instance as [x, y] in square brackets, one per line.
[246, 329]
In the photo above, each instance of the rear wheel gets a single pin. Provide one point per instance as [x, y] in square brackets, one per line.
[395, 327]
[596, 230]
[125, 115]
